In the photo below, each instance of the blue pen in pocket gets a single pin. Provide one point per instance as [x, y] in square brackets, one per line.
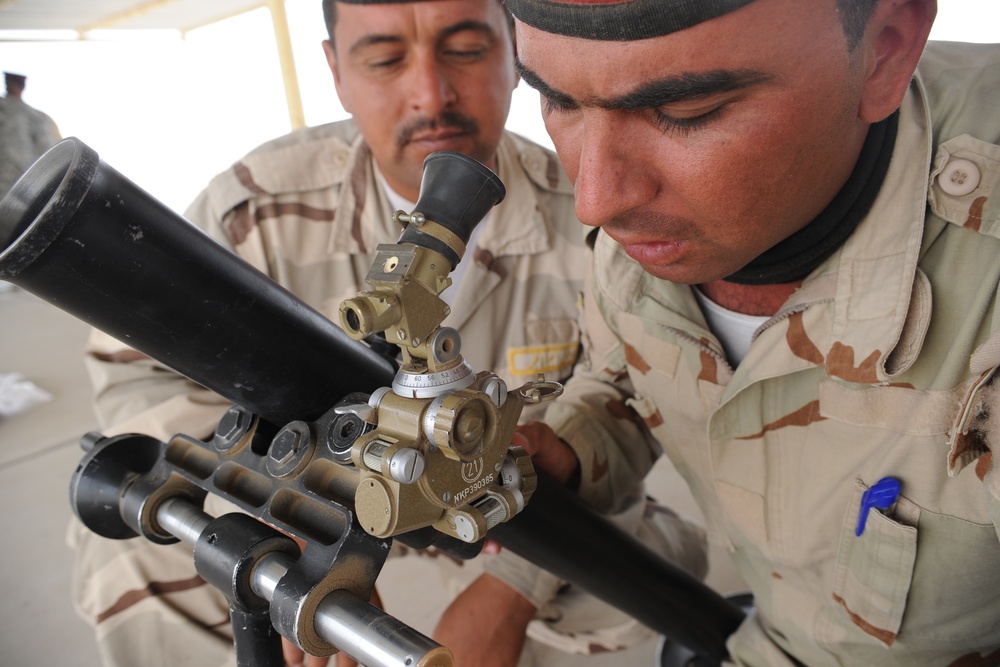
[882, 495]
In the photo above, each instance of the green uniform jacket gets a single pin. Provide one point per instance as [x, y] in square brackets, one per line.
[877, 367]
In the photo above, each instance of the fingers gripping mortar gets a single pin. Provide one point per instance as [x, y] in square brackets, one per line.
[439, 452]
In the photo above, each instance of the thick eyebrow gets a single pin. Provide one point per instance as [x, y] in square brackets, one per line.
[462, 26]
[475, 26]
[546, 91]
[371, 40]
[670, 90]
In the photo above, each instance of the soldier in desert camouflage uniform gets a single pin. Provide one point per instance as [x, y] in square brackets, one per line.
[309, 209]
[795, 299]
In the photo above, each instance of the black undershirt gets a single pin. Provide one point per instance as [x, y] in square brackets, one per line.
[796, 256]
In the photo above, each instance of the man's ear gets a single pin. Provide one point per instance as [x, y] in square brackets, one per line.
[513, 43]
[331, 60]
[893, 43]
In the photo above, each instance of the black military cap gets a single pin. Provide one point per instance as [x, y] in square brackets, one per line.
[618, 20]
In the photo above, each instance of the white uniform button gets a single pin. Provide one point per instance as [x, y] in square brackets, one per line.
[959, 178]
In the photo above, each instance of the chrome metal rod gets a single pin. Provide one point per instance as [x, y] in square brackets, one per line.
[269, 571]
[372, 637]
[364, 632]
[183, 519]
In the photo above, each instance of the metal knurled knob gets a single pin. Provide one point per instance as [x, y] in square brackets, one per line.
[458, 424]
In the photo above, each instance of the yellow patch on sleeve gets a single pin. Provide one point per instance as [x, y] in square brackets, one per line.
[532, 360]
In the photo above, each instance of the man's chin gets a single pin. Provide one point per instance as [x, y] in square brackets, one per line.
[682, 273]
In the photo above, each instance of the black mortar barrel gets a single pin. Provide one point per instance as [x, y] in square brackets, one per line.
[78, 234]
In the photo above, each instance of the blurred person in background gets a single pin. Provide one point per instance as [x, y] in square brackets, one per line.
[25, 132]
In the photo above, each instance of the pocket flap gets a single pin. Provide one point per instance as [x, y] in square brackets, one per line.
[874, 570]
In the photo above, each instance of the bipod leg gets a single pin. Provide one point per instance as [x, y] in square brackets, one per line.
[226, 552]
[257, 643]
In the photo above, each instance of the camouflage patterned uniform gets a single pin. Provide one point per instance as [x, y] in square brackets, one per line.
[877, 367]
[307, 210]
[25, 133]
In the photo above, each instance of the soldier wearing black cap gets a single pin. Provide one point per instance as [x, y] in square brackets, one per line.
[795, 293]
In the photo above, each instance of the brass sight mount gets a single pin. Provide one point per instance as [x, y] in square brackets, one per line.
[439, 452]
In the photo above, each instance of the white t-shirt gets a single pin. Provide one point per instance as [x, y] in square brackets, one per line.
[734, 330]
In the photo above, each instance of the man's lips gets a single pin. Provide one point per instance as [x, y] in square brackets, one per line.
[437, 137]
[649, 241]
[654, 253]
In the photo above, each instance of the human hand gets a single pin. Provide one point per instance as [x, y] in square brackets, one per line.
[486, 625]
[296, 657]
[548, 452]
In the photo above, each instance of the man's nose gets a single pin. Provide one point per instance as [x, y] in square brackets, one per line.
[432, 89]
[613, 176]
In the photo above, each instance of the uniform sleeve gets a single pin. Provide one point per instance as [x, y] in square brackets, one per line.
[536, 585]
[616, 450]
[978, 444]
[676, 538]
[202, 212]
[594, 416]
[992, 482]
[614, 447]
[975, 437]
[50, 134]
[612, 469]
[136, 394]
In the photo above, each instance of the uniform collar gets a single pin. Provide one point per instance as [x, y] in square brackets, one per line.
[881, 301]
[515, 227]
[863, 313]
[364, 214]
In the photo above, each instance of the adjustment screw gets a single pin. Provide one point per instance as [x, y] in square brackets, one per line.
[287, 444]
[406, 465]
[496, 389]
[232, 425]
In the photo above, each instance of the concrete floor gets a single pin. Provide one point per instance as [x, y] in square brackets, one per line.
[39, 451]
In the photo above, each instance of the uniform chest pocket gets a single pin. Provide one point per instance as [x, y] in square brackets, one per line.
[918, 575]
[874, 570]
[955, 592]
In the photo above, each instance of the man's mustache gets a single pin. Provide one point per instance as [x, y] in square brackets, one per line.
[447, 120]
